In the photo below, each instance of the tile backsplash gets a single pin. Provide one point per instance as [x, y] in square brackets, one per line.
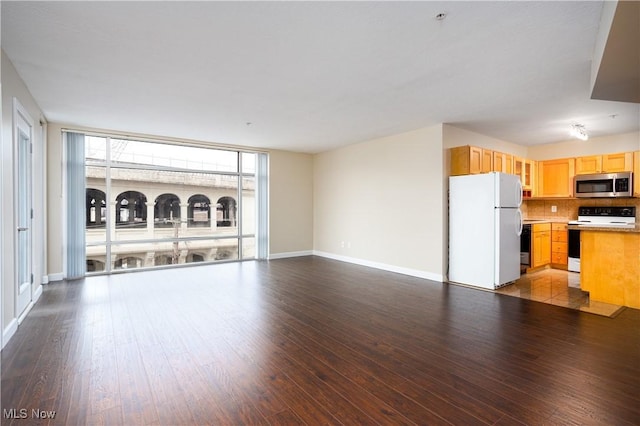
[568, 208]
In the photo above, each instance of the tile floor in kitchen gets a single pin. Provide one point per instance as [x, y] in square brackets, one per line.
[557, 287]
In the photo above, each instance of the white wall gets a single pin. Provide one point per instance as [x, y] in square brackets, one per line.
[384, 200]
[455, 136]
[576, 148]
[14, 87]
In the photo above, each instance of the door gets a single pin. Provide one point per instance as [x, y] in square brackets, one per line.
[24, 214]
[508, 190]
[507, 247]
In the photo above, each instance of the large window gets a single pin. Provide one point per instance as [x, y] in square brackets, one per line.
[151, 204]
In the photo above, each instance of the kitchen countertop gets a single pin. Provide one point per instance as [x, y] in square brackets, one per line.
[634, 229]
[532, 221]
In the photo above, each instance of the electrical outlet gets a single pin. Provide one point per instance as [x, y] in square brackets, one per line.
[342, 244]
[554, 209]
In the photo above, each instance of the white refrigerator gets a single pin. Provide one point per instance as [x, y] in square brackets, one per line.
[485, 223]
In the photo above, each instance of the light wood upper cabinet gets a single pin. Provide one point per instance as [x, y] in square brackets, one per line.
[590, 164]
[621, 162]
[470, 160]
[606, 163]
[487, 161]
[526, 170]
[636, 173]
[502, 162]
[555, 178]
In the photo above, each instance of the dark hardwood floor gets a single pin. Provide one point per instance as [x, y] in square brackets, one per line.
[315, 341]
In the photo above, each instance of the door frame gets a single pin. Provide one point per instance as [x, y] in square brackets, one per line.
[20, 115]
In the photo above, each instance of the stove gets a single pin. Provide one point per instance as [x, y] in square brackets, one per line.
[623, 217]
[614, 217]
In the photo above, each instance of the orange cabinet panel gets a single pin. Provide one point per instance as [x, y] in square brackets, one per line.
[555, 177]
[590, 164]
[621, 162]
[470, 160]
[636, 173]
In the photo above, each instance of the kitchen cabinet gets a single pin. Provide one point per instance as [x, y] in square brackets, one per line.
[636, 173]
[588, 165]
[555, 178]
[606, 163]
[525, 169]
[502, 162]
[559, 245]
[620, 162]
[540, 244]
[470, 160]
[610, 266]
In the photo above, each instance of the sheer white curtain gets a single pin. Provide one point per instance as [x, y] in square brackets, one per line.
[262, 179]
[76, 264]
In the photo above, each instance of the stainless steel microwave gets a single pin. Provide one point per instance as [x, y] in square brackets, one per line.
[604, 185]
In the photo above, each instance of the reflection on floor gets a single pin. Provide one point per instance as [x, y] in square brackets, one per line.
[559, 288]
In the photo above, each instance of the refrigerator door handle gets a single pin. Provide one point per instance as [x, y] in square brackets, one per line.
[519, 224]
[519, 194]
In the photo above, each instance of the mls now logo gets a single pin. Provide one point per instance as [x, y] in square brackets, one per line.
[23, 413]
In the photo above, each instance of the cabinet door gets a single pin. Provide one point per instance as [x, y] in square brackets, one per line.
[508, 163]
[498, 161]
[487, 160]
[636, 173]
[475, 160]
[555, 178]
[590, 164]
[541, 248]
[621, 162]
[518, 164]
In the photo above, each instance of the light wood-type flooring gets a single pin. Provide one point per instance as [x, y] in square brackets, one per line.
[313, 341]
[560, 288]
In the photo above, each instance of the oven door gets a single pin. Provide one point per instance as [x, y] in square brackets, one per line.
[574, 250]
[525, 245]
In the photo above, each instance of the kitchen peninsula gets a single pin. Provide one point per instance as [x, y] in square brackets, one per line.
[610, 264]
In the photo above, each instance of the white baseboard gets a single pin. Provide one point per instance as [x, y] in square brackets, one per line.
[56, 277]
[9, 331]
[37, 293]
[26, 311]
[45, 279]
[383, 266]
[290, 254]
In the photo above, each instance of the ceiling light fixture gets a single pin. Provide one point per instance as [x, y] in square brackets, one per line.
[441, 16]
[579, 131]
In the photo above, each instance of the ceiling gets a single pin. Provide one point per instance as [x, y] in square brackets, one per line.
[313, 76]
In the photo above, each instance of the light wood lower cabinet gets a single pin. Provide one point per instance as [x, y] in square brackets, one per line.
[610, 267]
[540, 244]
[636, 173]
[559, 245]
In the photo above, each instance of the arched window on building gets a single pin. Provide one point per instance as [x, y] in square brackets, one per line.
[226, 209]
[194, 257]
[95, 208]
[131, 210]
[94, 265]
[166, 210]
[199, 211]
[128, 263]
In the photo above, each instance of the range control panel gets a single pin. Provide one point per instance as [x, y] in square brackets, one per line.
[607, 211]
